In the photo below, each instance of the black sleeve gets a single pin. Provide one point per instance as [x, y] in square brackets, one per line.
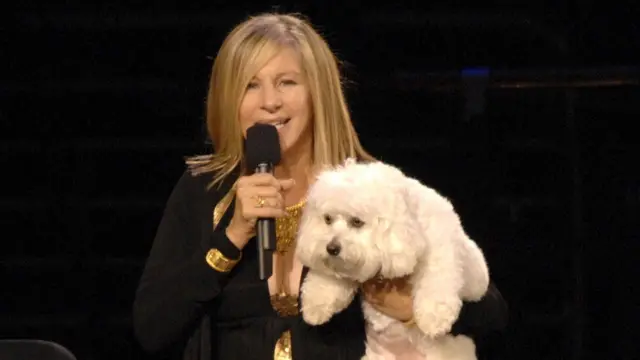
[485, 316]
[176, 281]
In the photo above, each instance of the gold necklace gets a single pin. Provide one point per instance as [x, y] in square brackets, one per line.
[287, 227]
[284, 303]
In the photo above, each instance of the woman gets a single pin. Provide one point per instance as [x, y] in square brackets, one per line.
[199, 293]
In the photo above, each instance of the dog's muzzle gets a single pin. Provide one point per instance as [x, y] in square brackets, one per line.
[333, 247]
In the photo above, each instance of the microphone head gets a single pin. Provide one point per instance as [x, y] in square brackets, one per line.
[262, 145]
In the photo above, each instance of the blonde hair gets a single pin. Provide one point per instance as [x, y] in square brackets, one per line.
[246, 49]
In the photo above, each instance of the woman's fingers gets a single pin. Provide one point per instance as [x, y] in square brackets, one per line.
[265, 180]
[286, 184]
[262, 197]
[259, 196]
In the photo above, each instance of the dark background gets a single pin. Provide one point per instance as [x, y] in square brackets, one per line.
[100, 102]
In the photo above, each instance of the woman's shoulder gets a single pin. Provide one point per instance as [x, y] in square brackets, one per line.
[199, 186]
[193, 183]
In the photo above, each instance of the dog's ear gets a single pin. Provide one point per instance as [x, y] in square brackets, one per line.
[438, 276]
[399, 243]
[441, 226]
[399, 230]
[476, 272]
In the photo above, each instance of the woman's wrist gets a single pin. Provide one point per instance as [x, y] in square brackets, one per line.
[239, 238]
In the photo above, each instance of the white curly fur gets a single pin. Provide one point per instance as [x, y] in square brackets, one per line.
[388, 224]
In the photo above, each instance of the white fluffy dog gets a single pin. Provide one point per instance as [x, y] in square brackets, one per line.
[364, 220]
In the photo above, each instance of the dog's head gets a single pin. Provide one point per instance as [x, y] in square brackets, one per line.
[358, 223]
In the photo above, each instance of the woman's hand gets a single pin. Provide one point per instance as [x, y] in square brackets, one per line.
[391, 297]
[257, 195]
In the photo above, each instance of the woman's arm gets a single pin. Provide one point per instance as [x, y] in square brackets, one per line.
[393, 298]
[177, 281]
[478, 318]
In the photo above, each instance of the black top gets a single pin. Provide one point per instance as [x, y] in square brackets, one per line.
[185, 308]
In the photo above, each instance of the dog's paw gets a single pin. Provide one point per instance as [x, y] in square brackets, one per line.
[370, 354]
[316, 316]
[436, 317]
[457, 348]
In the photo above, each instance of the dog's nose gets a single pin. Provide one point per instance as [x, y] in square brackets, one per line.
[333, 247]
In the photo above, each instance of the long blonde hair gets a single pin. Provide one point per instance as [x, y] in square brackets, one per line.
[246, 49]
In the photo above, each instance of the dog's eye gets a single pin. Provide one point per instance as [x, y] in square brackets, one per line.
[328, 219]
[356, 222]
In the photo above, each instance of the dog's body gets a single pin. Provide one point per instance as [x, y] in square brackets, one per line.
[385, 335]
[368, 220]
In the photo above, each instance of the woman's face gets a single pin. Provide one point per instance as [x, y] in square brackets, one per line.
[279, 95]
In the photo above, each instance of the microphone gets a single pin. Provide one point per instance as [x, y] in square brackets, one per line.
[262, 149]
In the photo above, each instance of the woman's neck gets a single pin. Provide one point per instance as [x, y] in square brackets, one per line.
[296, 165]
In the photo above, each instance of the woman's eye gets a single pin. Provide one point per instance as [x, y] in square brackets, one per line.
[288, 82]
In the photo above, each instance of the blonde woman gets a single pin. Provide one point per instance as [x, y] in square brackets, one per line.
[200, 296]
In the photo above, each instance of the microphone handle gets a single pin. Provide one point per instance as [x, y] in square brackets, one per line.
[266, 235]
[265, 262]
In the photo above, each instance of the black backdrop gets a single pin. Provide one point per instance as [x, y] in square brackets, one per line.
[522, 114]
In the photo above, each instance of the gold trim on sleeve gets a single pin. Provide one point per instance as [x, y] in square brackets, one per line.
[222, 206]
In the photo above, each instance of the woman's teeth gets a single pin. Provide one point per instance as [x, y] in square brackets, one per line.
[282, 123]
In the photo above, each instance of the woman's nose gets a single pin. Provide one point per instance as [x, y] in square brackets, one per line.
[271, 98]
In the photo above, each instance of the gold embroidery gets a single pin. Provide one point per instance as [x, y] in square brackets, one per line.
[287, 227]
[283, 347]
[284, 304]
[214, 257]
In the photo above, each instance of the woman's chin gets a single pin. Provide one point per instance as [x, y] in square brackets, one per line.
[294, 141]
[287, 140]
